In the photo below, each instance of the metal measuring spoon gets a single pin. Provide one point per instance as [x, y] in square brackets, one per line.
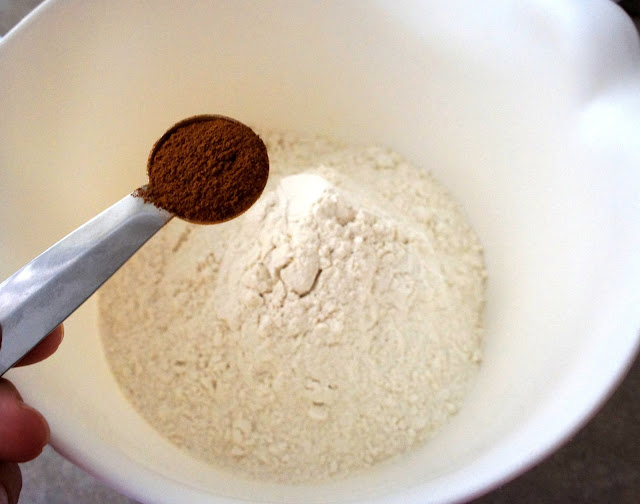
[38, 297]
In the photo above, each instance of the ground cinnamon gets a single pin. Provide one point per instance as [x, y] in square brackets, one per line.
[206, 169]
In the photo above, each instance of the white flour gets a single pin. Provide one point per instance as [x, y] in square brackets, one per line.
[336, 324]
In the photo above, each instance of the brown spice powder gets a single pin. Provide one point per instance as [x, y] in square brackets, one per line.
[206, 169]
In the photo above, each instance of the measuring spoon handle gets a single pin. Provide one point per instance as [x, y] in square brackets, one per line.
[39, 296]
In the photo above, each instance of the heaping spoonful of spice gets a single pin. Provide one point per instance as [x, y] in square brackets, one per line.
[206, 169]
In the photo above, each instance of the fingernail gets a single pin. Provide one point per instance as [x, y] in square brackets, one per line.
[4, 497]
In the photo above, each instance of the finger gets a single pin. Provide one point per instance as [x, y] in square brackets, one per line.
[10, 481]
[45, 348]
[23, 431]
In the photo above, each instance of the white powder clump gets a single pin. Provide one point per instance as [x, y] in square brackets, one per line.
[336, 324]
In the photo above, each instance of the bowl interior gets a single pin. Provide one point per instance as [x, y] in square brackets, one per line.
[90, 88]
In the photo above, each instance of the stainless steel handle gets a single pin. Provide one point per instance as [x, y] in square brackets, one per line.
[35, 299]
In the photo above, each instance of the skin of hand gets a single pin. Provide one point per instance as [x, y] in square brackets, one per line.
[24, 432]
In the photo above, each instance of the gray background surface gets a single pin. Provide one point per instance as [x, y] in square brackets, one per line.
[601, 464]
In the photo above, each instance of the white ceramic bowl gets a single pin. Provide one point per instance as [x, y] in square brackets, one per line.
[528, 110]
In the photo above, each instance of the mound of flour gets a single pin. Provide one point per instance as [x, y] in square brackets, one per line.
[335, 324]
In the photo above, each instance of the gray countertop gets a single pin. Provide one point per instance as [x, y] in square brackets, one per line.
[601, 464]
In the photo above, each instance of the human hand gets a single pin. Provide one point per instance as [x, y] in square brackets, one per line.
[24, 432]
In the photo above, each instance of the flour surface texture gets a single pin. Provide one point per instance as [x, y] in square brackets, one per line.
[334, 325]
